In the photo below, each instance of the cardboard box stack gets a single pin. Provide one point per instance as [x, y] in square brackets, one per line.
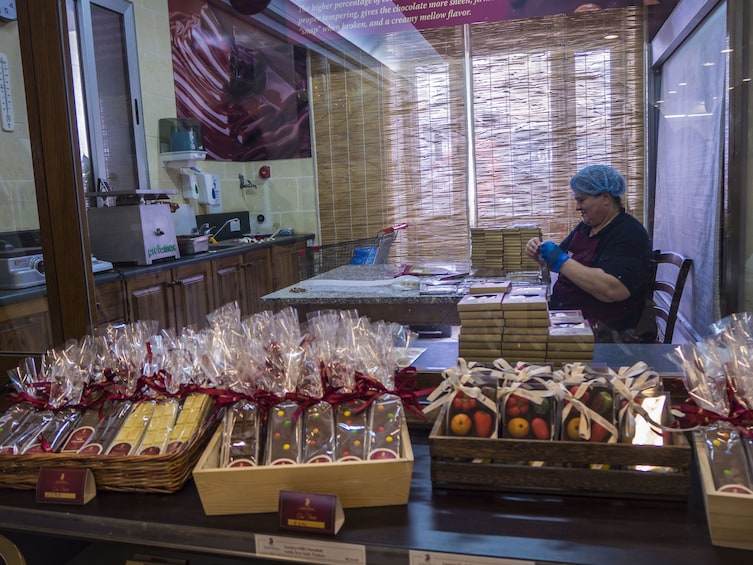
[526, 321]
[503, 248]
[481, 326]
[527, 231]
[570, 338]
[478, 247]
[496, 249]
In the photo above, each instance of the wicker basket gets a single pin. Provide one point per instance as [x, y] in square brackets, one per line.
[137, 473]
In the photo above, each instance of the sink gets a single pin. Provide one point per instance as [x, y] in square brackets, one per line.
[221, 246]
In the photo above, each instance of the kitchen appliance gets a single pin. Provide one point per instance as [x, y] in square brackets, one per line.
[193, 244]
[21, 267]
[135, 233]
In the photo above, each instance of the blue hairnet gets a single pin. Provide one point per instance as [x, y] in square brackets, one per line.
[596, 179]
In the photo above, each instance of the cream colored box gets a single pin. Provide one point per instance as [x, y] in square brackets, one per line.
[248, 490]
[729, 515]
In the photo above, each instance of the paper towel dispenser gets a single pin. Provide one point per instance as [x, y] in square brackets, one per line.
[208, 187]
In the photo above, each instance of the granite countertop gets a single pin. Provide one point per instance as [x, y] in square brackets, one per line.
[355, 284]
[126, 271]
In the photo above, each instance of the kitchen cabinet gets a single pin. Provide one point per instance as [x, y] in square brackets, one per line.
[176, 298]
[175, 295]
[257, 271]
[25, 326]
[244, 278]
[285, 259]
[110, 303]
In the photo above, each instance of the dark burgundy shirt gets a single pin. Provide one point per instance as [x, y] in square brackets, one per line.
[623, 250]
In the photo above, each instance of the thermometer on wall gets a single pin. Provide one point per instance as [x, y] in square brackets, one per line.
[6, 101]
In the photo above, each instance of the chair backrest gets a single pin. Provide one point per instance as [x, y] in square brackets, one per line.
[9, 552]
[668, 285]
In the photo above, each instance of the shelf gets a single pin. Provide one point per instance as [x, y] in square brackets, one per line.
[138, 191]
[181, 159]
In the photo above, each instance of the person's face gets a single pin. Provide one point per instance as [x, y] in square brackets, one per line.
[593, 209]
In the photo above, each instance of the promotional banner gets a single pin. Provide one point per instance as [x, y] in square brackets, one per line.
[330, 19]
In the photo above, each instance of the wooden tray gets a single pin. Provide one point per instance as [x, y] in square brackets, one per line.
[562, 466]
[246, 490]
[131, 473]
[729, 515]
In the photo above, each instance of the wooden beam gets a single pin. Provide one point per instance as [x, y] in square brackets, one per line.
[45, 56]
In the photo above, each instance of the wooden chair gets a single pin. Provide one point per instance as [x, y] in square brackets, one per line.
[9, 552]
[668, 285]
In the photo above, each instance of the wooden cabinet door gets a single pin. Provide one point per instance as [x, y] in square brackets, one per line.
[229, 284]
[285, 259]
[257, 279]
[193, 295]
[26, 334]
[150, 298]
[110, 302]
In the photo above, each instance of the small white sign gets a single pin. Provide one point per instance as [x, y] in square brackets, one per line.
[433, 558]
[310, 551]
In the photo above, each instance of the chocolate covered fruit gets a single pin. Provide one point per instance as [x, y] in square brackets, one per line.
[518, 427]
[461, 424]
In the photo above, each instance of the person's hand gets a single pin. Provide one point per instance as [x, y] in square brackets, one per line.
[532, 248]
[553, 255]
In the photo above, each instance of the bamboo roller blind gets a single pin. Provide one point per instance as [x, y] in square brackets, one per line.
[549, 96]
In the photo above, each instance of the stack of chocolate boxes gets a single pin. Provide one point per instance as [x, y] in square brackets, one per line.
[513, 321]
[503, 248]
[526, 318]
[571, 338]
[481, 326]
[478, 247]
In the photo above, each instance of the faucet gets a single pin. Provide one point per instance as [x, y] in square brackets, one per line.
[222, 227]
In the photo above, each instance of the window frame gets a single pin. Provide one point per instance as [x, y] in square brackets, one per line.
[90, 83]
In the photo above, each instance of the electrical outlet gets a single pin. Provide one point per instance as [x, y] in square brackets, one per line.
[235, 225]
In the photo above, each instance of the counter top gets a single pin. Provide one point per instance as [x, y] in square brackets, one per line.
[354, 284]
[534, 528]
[442, 353]
[125, 271]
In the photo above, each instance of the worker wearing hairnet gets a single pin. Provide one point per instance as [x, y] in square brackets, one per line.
[604, 263]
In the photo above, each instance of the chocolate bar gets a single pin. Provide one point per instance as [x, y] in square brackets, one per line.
[26, 432]
[113, 415]
[283, 435]
[158, 430]
[352, 427]
[193, 413]
[319, 433]
[54, 434]
[130, 433]
[10, 421]
[385, 427]
[242, 426]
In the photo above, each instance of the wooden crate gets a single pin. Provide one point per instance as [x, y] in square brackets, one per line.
[729, 515]
[248, 490]
[503, 465]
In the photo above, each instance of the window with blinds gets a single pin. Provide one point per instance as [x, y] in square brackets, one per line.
[398, 141]
[551, 96]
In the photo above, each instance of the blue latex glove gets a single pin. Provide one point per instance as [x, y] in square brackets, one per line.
[553, 255]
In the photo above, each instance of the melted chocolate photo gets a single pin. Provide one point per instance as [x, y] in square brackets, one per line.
[246, 87]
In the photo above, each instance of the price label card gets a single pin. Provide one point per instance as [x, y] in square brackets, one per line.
[310, 512]
[434, 558]
[310, 551]
[61, 485]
